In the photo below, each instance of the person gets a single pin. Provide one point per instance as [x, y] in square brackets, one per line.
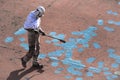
[32, 25]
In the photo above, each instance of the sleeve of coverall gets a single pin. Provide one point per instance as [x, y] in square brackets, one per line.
[34, 23]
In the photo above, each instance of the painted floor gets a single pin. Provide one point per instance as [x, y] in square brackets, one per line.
[90, 29]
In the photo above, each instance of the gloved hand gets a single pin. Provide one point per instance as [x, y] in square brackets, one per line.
[43, 33]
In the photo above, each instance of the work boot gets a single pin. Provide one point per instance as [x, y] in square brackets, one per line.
[37, 65]
[23, 62]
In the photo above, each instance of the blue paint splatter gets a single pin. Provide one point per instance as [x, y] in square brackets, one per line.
[110, 50]
[100, 22]
[80, 50]
[109, 29]
[41, 56]
[107, 73]
[56, 53]
[100, 64]
[72, 62]
[111, 12]
[89, 74]
[115, 65]
[52, 33]
[20, 31]
[105, 69]
[95, 70]
[117, 23]
[74, 70]
[111, 22]
[111, 77]
[114, 76]
[9, 39]
[68, 77]
[91, 59]
[57, 72]
[60, 69]
[22, 39]
[54, 64]
[54, 59]
[79, 78]
[96, 45]
[25, 46]
[55, 40]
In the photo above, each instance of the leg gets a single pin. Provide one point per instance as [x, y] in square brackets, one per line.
[31, 42]
[35, 56]
[37, 48]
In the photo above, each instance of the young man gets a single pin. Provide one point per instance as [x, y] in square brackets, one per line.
[32, 25]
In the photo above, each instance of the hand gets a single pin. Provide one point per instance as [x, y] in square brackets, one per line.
[43, 34]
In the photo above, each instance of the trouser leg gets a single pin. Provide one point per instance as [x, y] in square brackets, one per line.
[31, 42]
[37, 48]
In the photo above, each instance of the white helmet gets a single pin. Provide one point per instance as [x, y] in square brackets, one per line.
[41, 9]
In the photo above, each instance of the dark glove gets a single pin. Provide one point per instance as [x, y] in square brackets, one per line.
[43, 34]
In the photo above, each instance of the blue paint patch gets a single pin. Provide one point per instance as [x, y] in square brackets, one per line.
[77, 33]
[60, 36]
[71, 62]
[25, 46]
[56, 53]
[108, 78]
[52, 33]
[95, 70]
[54, 64]
[111, 77]
[114, 76]
[68, 54]
[78, 78]
[69, 45]
[105, 69]
[54, 59]
[57, 72]
[55, 40]
[56, 44]
[96, 45]
[109, 29]
[112, 13]
[74, 70]
[110, 50]
[113, 55]
[107, 73]
[20, 31]
[80, 50]
[100, 22]
[89, 74]
[117, 59]
[41, 56]
[68, 77]
[117, 23]
[9, 39]
[115, 65]
[111, 22]
[100, 64]
[91, 59]
[22, 39]
[86, 45]
[60, 69]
